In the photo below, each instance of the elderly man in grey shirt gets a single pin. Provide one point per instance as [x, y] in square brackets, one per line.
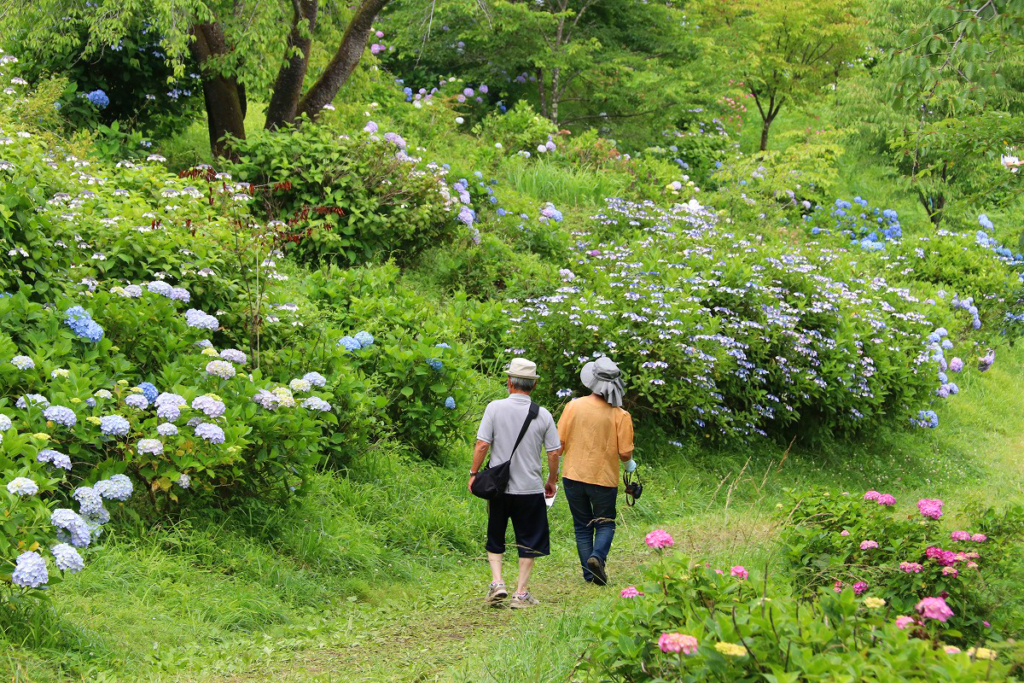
[523, 501]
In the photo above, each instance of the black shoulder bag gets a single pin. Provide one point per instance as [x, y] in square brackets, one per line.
[491, 482]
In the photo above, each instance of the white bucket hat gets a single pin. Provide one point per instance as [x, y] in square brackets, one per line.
[602, 377]
[522, 368]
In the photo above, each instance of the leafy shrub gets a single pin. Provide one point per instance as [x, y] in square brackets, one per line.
[731, 337]
[690, 622]
[346, 200]
[520, 128]
[837, 540]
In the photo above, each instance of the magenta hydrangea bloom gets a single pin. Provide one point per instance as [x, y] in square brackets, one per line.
[930, 507]
[979, 538]
[844, 532]
[740, 572]
[630, 592]
[658, 539]
[859, 587]
[960, 536]
[838, 586]
[934, 608]
[887, 499]
[868, 545]
[678, 642]
[911, 567]
[872, 495]
[950, 571]
[903, 623]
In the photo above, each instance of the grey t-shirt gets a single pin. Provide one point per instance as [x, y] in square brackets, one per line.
[500, 426]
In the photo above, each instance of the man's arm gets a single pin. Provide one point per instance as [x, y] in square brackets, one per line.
[479, 453]
[552, 482]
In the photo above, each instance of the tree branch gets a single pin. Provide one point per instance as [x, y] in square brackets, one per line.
[284, 99]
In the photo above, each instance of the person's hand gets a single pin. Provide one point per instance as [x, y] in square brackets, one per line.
[470, 484]
[550, 486]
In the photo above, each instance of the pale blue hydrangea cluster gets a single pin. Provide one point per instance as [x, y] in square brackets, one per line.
[209, 406]
[315, 403]
[22, 486]
[55, 458]
[67, 558]
[233, 355]
[220, 368]
[449, 403]
[166, 429]
[315, 379]
[185, 481]
[34, 400]
[115, 425]
[158, 287]
[5, 423]
[89, 501]
[118, 487]
[266, 400]
[362, 340]
[71, 526]
[30, 570]
[23, 363]
[152, 446]
[168, 412]
[137, 401]
[201, 320]
[62, 415]
[210, 433]
[82, 324]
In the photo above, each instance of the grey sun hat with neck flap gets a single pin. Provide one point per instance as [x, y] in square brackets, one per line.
[602, 377]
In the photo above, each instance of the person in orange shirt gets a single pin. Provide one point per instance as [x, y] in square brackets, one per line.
[596, 434]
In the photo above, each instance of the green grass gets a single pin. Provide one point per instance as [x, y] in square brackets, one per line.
[377, 575]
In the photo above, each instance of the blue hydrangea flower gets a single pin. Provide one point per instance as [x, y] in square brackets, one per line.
[89, 500]
[62, 415]
[30, 570]
[98, 98]
[166, 429]
[220, 368]
[200, 320]
[953, 388]
[115, 425]
[449, 403]
[210, 432]
[137, 401]
[364, 338]
[315, 379]
[118, 487]
[984, 222]
[149, 391]
[34, 400]
[55, 458]
[166, 399]
[168, 412]
[23, 363]
[185, 481]
[71, 526]
[442, 345]
[318, 404]
[350, 344]
[82, 324]
[233, 355]
[435, 363]
[209, 406]
[158, 287]
[67, 558]
[22, 486]
[5, 423]
[180, 294]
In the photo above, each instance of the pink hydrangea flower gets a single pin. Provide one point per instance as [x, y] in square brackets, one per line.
[844, 532]
[911, 567]
[934, 608]
[719, 572]
[887, 499]
[952, 650]
[630, 592]
[979, 538]
[930, 507]
[943, 557]
[838, 587]
[859, 587]
[740, 572]
[960, 536]
[872, 495]
[678, 642]
[950, 571]
[658, 539]
[972, 555]
[972, 565]
[903, 623]
[868, 545]
[986, 624]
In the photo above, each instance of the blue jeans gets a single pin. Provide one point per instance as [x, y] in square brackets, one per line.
[593, 518]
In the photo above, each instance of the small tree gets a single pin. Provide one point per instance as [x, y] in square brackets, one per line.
[784, 52]
[229, 41]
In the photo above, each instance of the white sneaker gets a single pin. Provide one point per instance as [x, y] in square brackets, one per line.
[523, 601]
[496, 593]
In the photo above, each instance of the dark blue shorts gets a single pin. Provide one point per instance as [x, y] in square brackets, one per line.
[529, 515]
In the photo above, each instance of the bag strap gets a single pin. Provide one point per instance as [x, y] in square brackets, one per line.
[531, 414]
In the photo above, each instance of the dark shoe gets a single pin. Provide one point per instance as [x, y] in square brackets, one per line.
[596, 567]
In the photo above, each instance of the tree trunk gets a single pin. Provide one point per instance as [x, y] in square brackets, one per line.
[222, 94]
[555, 95]
[284, 100]
[353, 44]
[764, 134]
